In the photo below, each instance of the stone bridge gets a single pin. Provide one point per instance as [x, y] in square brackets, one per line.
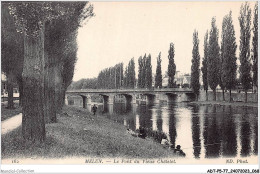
[152, 95]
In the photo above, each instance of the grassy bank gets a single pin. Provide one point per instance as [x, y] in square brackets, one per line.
[80, 134]
[7, 113]
[223, 103]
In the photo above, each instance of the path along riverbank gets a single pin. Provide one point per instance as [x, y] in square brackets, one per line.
[78, 133]
[10, 124]
[8, 113]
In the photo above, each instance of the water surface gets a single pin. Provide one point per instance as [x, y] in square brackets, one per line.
[202, 131]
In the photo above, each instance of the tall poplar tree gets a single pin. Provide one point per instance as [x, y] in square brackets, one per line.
[148, 74]
[131, 73]
[228, 53]
[171, 66]
[213, 58]
[140, 72]
[195, 72]
[204, 68]
[255, 46]
[244, 47]
[158, 75]
[144, 71]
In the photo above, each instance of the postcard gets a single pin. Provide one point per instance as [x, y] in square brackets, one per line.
[129, 86]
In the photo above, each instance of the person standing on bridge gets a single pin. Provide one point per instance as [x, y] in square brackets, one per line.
[94, 109]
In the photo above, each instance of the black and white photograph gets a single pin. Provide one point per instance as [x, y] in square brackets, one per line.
[167, 84]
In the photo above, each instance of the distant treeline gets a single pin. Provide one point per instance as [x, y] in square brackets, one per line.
[89, 83]
[111, 77]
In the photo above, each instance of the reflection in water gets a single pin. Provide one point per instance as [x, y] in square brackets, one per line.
[255, 138]
[165, 122]
[202, 131]
[154, 118]
[105, 108]
[245, 134]
[111, 109]
[183, 129]
[137, 122]
[211, 135]
[195, 119]
[159, 118]
[229, 135]
[172, 128]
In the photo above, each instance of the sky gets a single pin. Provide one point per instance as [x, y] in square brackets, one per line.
[120, 31]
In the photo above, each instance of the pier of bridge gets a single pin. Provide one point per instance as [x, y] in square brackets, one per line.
[108, 95]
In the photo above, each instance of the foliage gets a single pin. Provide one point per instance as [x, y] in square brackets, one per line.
[213, 56]
[205, 63]
[140, 72]
[129, 77]
[244, 47]
[171, 66]
[89, 83]
[195, 73]
[148, 72]
[228, 53]
[131, 74]
[30, 17]
[158, 76]
[125, 80]
[144, 72]
[11, 44]
[111, 77]
[255, 46]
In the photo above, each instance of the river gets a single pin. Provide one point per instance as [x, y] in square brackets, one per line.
[202, 131]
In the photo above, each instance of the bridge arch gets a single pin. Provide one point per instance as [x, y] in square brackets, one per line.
[179, 97]
[130, 98]
[152, 95]
[86, 99]
[151, 98]
[107, 98]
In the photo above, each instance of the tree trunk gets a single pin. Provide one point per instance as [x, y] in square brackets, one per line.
[49, 88]
[58, 88]
[33, 126]
[246, 96]
[10, 87]
[47, 117]
[223, 93]
[20, 84]
[230, 98]
[214, 95]
[51, 97]
[63, 96]
[207, 97]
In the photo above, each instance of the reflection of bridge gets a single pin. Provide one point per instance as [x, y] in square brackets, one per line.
[152, 95]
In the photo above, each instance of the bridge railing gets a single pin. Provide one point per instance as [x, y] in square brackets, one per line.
[130, 90]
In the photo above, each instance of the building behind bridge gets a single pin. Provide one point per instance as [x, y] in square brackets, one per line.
[181, 80]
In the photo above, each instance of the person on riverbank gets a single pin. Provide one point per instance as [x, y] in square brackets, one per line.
[94, 109]
[165, 142]
[131, 132]
[142, 133]
[178, 151]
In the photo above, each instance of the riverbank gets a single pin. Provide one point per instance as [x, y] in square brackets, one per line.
[225, 103]
[8, 113]
[78, 133]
